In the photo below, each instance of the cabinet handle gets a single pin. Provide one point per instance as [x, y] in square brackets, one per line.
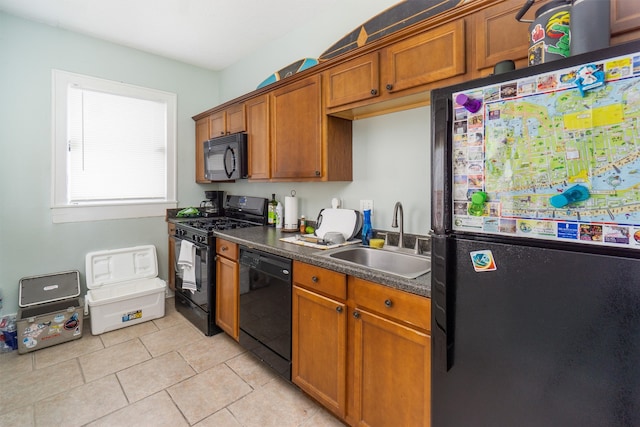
[374, 91]
[317, 173]
[388, 303]
[356, 314]
[314, 279]
[223, 248]
[339, 309]
[389, 86]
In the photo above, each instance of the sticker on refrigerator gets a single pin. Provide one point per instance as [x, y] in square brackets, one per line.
[483, 261]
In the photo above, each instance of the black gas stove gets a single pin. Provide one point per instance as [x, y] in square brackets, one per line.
[198, 305]
[238, 212]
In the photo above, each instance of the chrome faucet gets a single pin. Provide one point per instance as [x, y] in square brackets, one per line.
[394, 224]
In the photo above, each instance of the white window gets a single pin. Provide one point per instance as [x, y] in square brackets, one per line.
[114, 149]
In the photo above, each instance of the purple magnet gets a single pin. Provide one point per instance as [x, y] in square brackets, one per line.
[470, 104]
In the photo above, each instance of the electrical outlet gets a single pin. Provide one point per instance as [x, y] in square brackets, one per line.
[366, 204]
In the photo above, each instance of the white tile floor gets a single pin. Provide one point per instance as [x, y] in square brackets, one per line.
[163, 372]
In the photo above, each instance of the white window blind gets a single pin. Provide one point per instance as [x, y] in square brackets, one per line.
[117, 147]
[114, 149]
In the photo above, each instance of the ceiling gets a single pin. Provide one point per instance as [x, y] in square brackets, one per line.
[212, 34]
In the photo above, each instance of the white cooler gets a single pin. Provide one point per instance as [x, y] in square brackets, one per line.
[123, 288]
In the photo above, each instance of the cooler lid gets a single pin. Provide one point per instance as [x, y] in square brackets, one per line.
[121, 265]
[49, 287]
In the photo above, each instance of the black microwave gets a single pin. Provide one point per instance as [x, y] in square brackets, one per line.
[225, 157]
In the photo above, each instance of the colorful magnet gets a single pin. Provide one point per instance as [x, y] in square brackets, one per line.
[478, 201]
[577, 193]
[589, 77]
[470, 104]
[483, 261]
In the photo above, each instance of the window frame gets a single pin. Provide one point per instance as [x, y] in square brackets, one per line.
[61, 210]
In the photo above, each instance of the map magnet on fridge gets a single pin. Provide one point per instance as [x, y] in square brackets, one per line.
[478, 201]
[470, 104]
[577, 193]
[589, 77]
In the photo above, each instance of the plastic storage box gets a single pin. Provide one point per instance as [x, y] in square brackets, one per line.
[50, 310]
[123, 288]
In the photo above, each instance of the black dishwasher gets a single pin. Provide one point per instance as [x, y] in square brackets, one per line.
[265, 308]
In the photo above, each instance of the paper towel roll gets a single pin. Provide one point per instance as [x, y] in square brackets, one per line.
[290, 213]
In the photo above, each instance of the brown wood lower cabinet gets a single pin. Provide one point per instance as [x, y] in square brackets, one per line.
[319, 341]
[381, 335]
[227, 288]
[319, 335]
[391, 374]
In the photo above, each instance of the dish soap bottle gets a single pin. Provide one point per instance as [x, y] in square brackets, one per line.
[271, 211]
[279, 215]
[367, 230]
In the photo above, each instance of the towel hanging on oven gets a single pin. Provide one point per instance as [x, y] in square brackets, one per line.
[186, 261]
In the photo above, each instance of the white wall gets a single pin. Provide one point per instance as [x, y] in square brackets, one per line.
[30, 244]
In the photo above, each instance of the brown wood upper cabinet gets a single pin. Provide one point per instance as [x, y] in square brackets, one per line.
[259, 161]
[497, 36]
[291, 139]
[400, 69]
[229, 120]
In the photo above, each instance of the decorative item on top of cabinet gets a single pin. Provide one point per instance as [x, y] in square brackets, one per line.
[227, 288]
[389, 332]
[306, 144]
[258, 136]
[319, 335]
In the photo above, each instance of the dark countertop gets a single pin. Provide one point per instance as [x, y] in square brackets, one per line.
[267, 239]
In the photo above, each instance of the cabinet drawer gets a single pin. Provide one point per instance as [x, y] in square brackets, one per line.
[227, 249]
[320, 280]
[403, 306]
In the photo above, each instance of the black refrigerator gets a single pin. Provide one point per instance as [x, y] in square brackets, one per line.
[536, 245]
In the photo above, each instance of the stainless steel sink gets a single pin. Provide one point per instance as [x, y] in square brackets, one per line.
[392, 262]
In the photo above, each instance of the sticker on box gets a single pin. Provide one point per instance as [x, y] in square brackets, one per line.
[132, 316]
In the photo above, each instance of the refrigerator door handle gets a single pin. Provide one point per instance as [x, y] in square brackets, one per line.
[441, 300]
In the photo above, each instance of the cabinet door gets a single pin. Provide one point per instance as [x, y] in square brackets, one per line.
[296, 130]
[217, 124]
[434, 55]
[319, 338]
[625, 20]
[497, 36]
[227, 296]
[258, 137]
[202, 135]
[236, 119]
[355, 80]
[392, 374]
